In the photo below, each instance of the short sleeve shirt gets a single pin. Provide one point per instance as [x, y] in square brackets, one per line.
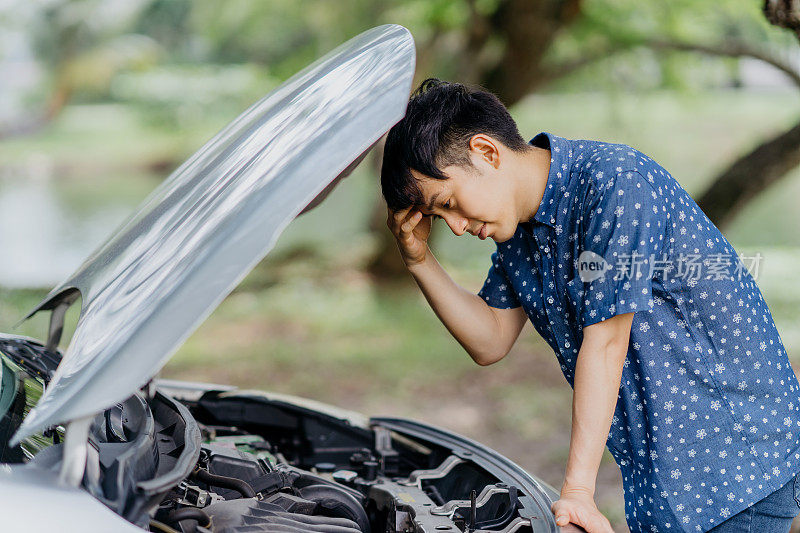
[707, 420]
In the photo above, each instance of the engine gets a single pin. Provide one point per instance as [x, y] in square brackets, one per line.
[281, 468]
[244, 484]
[240, 485]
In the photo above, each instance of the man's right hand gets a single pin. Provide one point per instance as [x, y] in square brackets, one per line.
[411, 229]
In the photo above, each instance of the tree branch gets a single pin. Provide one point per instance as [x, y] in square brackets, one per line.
[553, 72]
[748, 175]
[736, 49]
[727, 49]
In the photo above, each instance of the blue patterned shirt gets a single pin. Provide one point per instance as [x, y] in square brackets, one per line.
[707, 420]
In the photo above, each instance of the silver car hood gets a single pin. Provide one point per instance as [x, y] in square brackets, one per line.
[160, 274]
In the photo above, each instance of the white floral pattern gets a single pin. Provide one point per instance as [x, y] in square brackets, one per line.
[707, 420]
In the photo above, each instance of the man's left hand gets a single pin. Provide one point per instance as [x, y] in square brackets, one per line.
[578, 507]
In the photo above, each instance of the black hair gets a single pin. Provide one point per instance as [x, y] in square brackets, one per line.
[440, 120]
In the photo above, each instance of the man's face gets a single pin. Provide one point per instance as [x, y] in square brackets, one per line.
[476, 200]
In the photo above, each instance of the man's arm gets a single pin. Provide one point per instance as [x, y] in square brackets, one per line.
[598, 372]
[486, 333]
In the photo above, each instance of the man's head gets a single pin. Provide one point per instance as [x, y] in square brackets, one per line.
[452, 156]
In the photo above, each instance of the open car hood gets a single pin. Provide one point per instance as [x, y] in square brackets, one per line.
[149, 286]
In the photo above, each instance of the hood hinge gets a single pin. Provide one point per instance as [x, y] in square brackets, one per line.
[75, 451]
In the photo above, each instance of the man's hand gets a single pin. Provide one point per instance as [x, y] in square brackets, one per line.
[577, 507]
[411, 229]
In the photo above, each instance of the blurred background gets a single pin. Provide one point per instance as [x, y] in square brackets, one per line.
[101, 99]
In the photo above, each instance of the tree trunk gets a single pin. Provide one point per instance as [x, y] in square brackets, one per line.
[753, 173]
[528, 29]
[36, 122]
[750, 175]
[783, 13]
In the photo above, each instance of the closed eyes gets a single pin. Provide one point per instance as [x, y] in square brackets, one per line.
[446, 205]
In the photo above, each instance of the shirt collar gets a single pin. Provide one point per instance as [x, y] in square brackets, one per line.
[560, 164]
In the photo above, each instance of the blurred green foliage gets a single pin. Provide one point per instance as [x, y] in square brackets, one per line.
[141, 50]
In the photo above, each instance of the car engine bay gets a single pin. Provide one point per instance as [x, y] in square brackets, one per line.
[240, 461]
[327, 480]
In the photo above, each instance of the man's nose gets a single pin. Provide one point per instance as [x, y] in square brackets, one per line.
[458, 225]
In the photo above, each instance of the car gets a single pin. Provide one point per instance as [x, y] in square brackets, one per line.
[92, 441]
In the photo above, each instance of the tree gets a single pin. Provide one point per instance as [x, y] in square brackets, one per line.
[752, 173]
[82, 45]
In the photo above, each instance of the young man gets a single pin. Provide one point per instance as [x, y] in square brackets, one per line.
[672, 353]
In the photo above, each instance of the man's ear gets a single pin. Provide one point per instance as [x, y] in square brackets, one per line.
[485, 148]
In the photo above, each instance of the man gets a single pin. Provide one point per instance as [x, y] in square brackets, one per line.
[672, 353]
